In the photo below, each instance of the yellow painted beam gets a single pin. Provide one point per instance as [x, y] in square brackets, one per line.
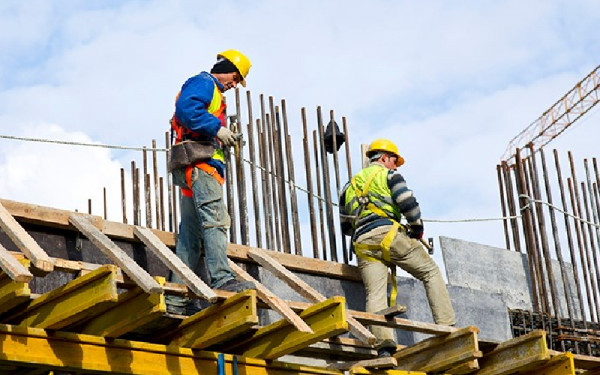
[520, 354]
[79, 299]
[61, 351]
[218, 323]
[559, 365]
[363, 371]
[326, 319]
[13, 293]
[133, 309]
[440, 353]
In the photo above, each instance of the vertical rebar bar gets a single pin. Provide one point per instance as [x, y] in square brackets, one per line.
[146, 181]
[582, 254]
[512, 206]
[525, 213]
[266, 184]
[241, 173]
[104, 200]
[544, 239]
[134, 188]
[572, 254]
[156, 193]
[584, 238]
[255, 195]
[319, 197]
[123, 197]
[338, 183]
[273, 176]
[230, 198]
[170, 190]
[278, 142]
[327, 188]
[348, 169]
[292, 179]
[309, 198]
[503, 206]
[592, 244]
[162, 202]
[558, 249]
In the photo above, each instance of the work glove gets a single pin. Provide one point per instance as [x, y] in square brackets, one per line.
[226, 136]
[415, 231]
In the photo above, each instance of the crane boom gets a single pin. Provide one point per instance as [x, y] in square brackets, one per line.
[568, 109]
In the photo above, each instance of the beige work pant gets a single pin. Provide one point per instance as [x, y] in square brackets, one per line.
[410, 255]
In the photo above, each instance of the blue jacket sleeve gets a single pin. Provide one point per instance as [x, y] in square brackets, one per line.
[192, 105]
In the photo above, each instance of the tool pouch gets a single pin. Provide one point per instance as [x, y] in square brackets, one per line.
[189, 152]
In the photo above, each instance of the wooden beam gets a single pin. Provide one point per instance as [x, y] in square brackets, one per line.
[405, 324]
[517, 355]
[326, 319]
[13, 293]
[116, 254]
[12, 267]
[175, 264]
[440, 353]
[133, 309]
[24, 241]
[385, 362]
[305, 290]
[359, 370]
[70, 352]
[218, 323]
[73, 302]
[272, 300]
[392, 311]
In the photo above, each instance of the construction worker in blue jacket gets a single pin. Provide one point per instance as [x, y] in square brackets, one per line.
[371, 207]
[200, 116]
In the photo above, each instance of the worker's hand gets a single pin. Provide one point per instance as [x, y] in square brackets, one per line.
[415, 231]
[226, 136]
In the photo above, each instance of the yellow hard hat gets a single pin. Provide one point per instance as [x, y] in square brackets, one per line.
[240, 61]
[385, 145]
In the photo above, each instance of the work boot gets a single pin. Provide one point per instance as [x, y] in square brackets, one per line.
[237, 286]
[386, 348]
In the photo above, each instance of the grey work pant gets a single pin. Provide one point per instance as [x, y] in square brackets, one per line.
[410, 255]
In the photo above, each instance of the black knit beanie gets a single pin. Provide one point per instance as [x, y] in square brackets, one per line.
[224, 66]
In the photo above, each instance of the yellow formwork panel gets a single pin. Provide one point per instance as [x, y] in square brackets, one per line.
[13, 293]
[62, 351]
[326, 319]
[559, 365]
[218, 323]
[133, 309]
[520, 354]
[81, 298]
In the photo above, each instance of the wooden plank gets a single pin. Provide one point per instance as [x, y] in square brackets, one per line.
[440, 353]
[359, 370]
[392, 311]
[73, 302]
[516, 355]
[175, 264]
[12, 267]
[80, 353]
[218, 323]
[326, 319]
[405, 324]
[133, 309]
[339, 347]
[24, 241]
[13, 293]
[116, 254]
[272, 300]
[306, 290]
[386, 362]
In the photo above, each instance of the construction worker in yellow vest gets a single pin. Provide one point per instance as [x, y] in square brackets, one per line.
[200, 116]
[371, 207]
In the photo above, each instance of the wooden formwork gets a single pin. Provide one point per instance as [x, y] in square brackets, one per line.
[112, 319]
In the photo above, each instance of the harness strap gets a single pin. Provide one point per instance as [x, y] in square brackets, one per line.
[212, 171]
[384, 246]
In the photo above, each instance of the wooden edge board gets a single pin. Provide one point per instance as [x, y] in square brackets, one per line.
[116, 254]
[175, 264]
[12, 267]
[58, 218]
[272, 300]
[386, 362]
[24, 241]
[305, 290]
[392, 311]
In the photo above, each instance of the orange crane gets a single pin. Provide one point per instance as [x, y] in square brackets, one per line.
[562, 114]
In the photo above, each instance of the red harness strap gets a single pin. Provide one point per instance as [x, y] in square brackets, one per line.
[206, 168]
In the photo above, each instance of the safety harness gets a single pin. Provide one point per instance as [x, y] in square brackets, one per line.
[364, 200]
[179, 132]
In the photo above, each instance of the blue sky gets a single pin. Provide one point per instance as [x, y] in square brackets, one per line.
[450, 81]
